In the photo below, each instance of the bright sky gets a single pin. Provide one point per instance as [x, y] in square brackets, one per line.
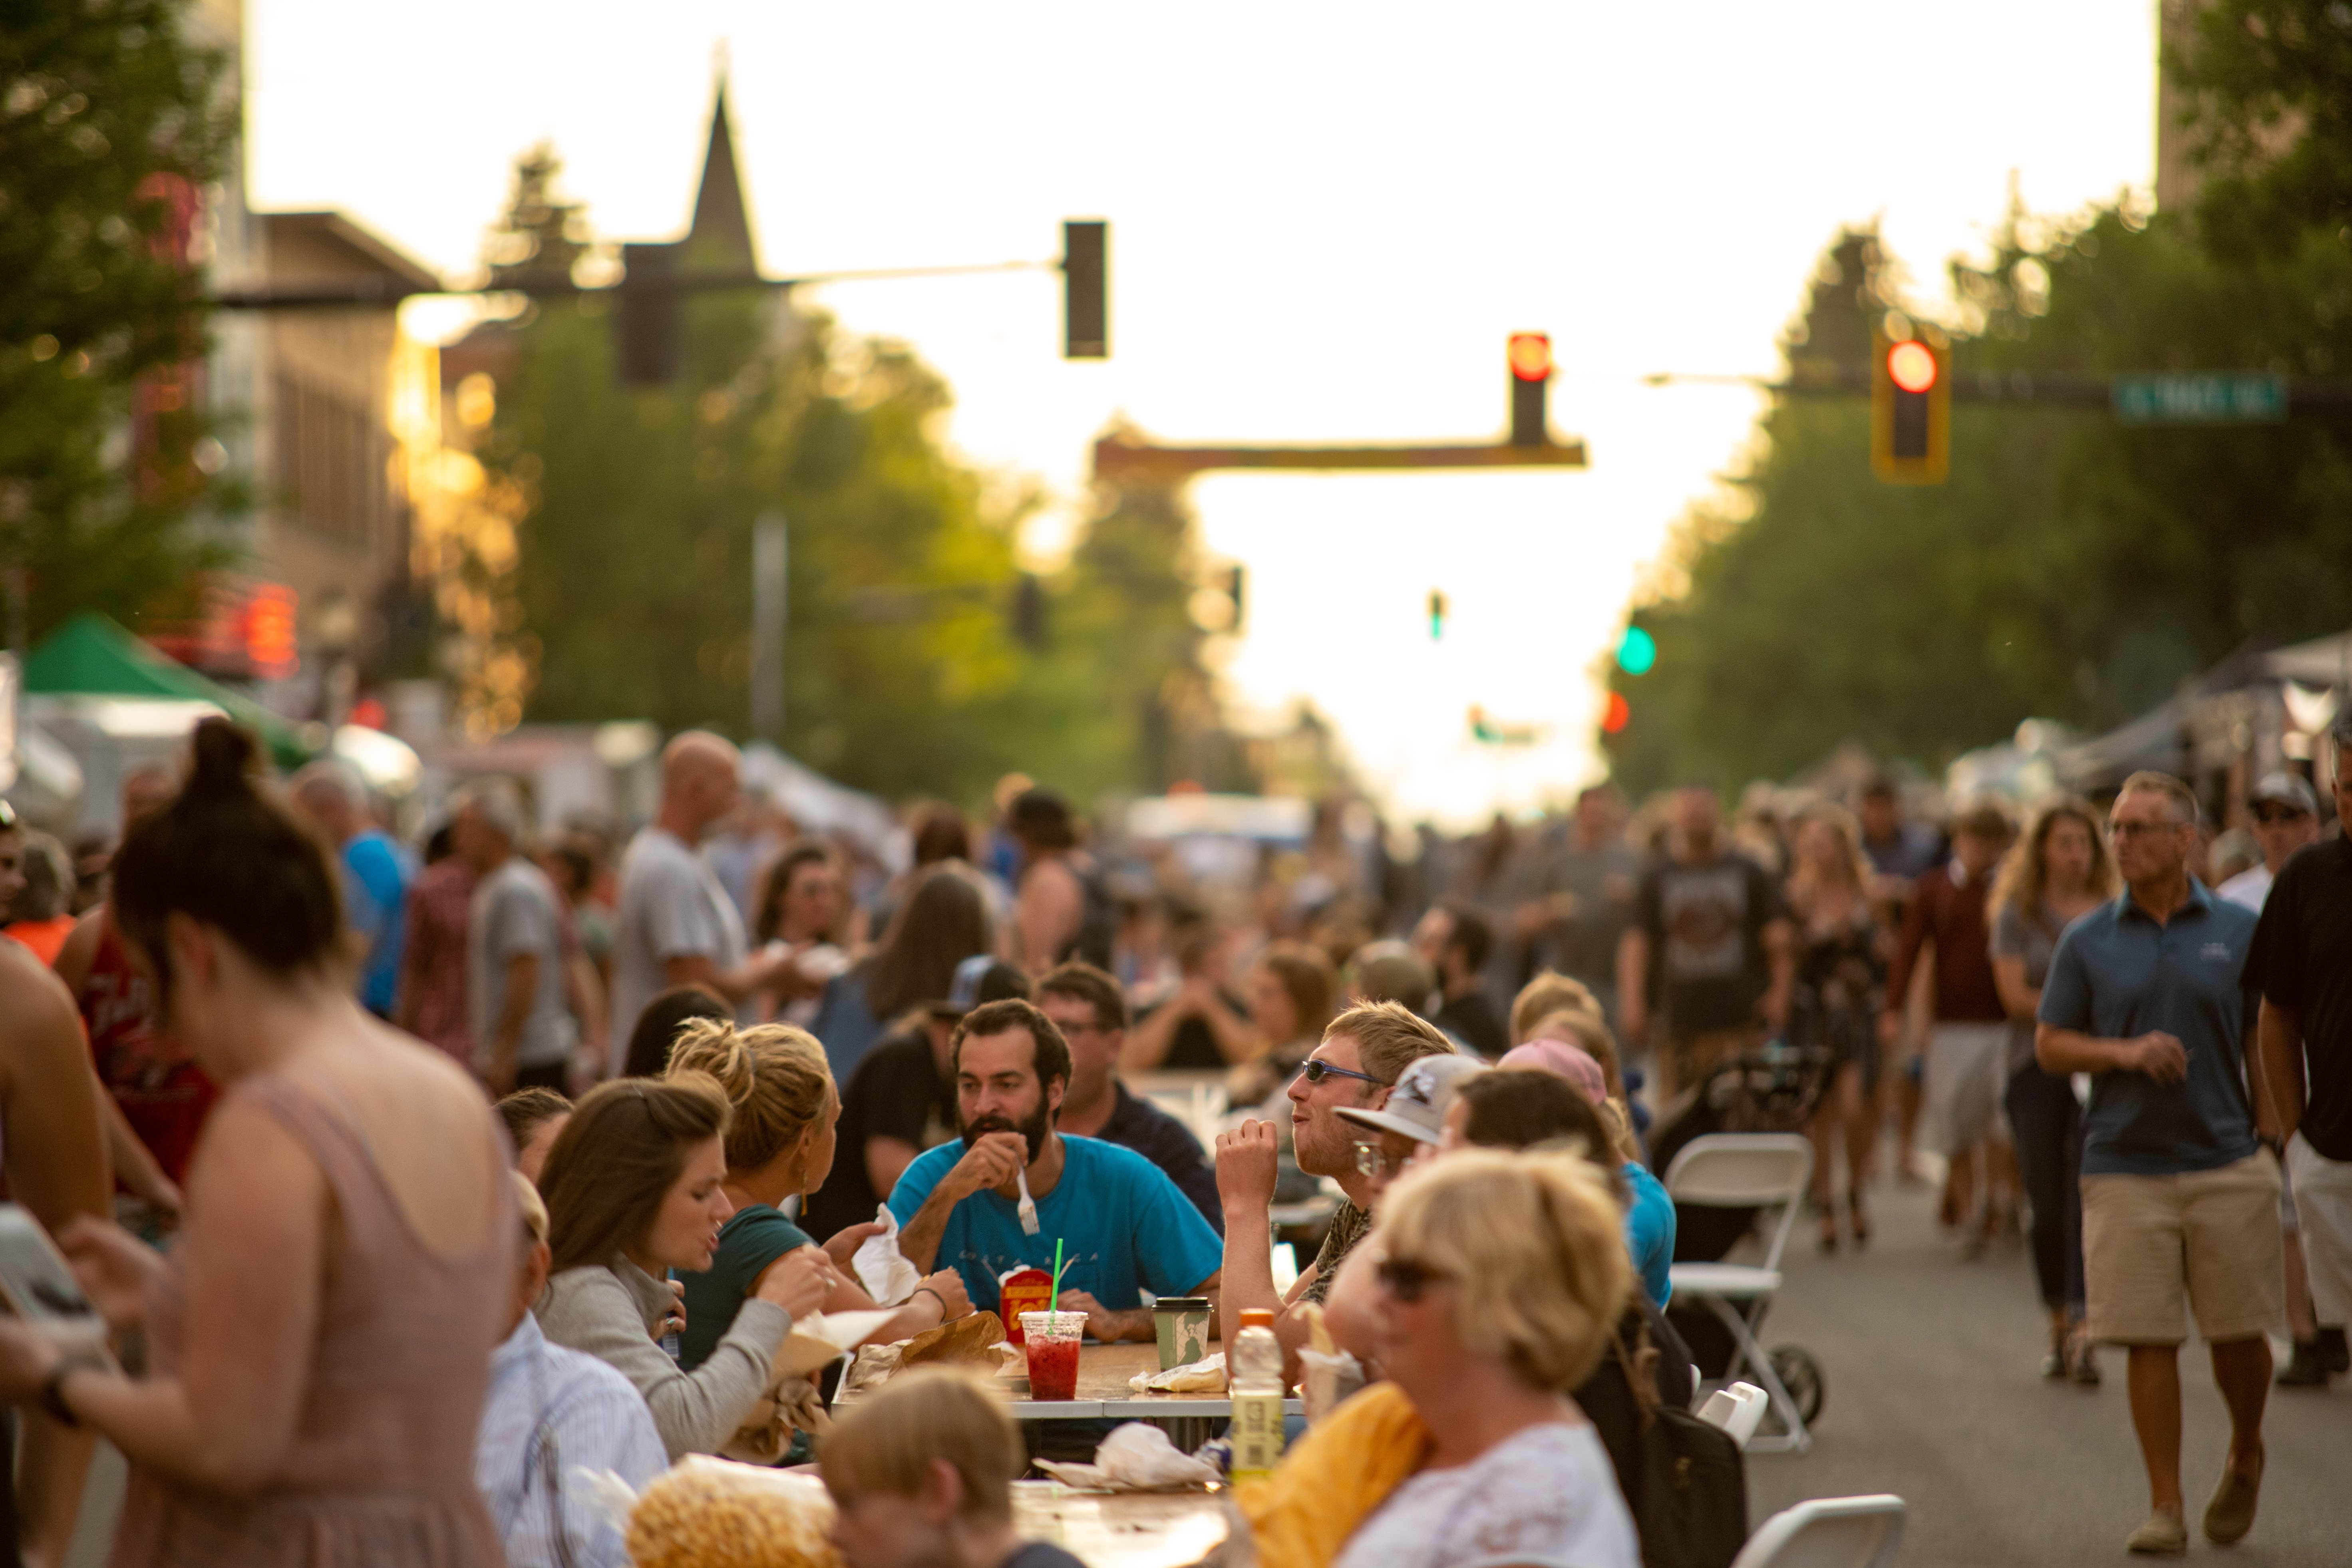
[1326, 220]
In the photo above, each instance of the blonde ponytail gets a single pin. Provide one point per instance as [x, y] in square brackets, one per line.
[773, 1074]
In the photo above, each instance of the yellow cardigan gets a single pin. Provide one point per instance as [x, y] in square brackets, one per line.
[1340, 1471]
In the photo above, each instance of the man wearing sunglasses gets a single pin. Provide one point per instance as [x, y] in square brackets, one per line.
[1366, 1050]
[2286, 817]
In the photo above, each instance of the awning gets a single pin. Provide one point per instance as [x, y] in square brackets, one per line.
[90, 655]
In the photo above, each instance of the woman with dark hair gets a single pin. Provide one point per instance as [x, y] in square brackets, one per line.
[319, 1340]
[534, 1119]
[634, 1188]
[2060, 870]
[1841, 989]
[944, 922]
[656, 1032]
[1290, 993]
[801, 911]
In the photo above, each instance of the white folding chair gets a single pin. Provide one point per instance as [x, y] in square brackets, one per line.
[1828, 1533]
[1744, 1169]
[1737, 1409]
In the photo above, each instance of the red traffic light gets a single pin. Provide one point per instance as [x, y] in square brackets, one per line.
[1530, 355]
[1616, 714]
[1911, 366]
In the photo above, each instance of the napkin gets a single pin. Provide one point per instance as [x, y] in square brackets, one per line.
[881, 1267]
[822, 1338]
[1206, 1376]
[1135, 1458]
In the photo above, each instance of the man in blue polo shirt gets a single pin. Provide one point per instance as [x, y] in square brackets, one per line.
[2179, 1202]
[1122, 1224]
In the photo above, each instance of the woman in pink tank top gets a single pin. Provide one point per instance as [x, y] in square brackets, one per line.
[319, 1341]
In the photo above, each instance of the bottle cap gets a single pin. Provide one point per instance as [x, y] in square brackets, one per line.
[1258, 1318]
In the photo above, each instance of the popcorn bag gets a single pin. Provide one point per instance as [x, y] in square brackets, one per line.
[703, 1512]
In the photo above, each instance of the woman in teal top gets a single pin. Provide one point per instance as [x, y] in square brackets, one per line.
[780, 1142]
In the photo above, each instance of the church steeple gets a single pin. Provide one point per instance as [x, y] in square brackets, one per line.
[721, 231]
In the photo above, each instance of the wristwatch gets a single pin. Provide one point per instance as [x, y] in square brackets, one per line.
[53, 1398]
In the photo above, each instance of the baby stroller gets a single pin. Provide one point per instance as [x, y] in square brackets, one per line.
[1774, 1089]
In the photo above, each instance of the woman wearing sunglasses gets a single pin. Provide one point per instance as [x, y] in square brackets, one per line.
[1497, 1278]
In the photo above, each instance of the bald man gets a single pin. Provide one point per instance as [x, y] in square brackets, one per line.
[677, 924]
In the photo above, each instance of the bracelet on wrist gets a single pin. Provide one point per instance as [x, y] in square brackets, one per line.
[934, 1295]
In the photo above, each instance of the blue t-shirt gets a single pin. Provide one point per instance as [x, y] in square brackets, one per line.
[375, 886]
[1650, 1234]
[1122, 1224]
[2119, 975]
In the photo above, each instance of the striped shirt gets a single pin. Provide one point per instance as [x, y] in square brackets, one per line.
[549, 1411]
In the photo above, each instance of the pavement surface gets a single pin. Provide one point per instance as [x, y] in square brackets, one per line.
[1934, 1391]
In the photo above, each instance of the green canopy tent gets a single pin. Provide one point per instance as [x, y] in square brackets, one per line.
[91, 656]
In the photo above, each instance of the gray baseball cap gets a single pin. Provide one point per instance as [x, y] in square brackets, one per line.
[1416, 1106]
[2286, 790]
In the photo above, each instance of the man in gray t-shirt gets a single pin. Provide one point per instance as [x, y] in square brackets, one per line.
[515, 1007]
[676, 925]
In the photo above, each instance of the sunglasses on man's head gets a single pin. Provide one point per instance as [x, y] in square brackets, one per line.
[1406, 1280]
[1314, 1070]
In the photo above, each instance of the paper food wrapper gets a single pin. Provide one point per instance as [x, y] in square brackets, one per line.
[970, 1340]
[1205, 1376]
[822, 1338]
[1134, 1457]
[881, 1267]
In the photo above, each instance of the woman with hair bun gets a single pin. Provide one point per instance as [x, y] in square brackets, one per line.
[633, 1190]
[780, 1144]
[319, 1341]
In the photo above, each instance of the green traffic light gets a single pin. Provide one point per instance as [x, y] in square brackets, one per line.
[1637, 650]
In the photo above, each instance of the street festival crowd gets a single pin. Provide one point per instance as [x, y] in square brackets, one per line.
[411, 1185]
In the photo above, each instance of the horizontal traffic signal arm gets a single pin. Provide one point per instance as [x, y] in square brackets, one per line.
[2060, 389]
[347, 293]
[1115, 459]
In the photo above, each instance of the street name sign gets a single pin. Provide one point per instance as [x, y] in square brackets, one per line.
[2258, 398]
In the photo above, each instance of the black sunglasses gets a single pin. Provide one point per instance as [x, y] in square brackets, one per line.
[1315, 1070]
[1406, 1280]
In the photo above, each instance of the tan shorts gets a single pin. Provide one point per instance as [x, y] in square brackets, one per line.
[2210, 1237]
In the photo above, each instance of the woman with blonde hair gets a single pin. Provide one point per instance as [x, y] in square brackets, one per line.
[2060, 870]
[779, 1145]
[1841, 986]
[1498, 1278]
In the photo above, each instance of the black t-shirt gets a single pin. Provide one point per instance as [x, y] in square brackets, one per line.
[2302, 958]
[1135, 1123]
[1195, 1046]
[1706, 926]
[1470, 1018]
[897, 1091]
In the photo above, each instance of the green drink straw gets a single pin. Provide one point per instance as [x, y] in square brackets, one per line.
[1055, 1305]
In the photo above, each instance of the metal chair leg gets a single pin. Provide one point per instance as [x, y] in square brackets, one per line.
[1798, 1438]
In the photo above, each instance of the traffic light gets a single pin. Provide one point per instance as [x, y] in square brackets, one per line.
[1910, 409]
[1436, 615]
[1086, 290]
[649, 325]
[1530, 356]
[1615, 714]
[1637, 650]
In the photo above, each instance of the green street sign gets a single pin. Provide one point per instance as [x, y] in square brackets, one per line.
[2256, 398]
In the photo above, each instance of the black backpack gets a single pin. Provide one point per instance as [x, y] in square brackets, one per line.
[1685, 1481]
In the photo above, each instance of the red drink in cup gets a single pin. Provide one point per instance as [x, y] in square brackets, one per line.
[1051, 1340]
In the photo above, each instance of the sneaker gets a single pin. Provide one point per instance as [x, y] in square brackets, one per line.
[2083, 1361]
[2334, 1354]
[2053, 1364]
[2306, 1369]
[2164, 1535]
[2232, 1512]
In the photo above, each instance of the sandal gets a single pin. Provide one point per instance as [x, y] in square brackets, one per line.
[1858, 1219]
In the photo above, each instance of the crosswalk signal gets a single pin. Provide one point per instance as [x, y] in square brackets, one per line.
[1530, 357]
[1086, 290]
[1910, 410]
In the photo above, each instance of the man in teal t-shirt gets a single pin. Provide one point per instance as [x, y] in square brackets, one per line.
[1124, 1226]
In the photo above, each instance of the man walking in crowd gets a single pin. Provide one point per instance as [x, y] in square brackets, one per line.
[2147, 994]
[1587, 900]
[1900, 851]
[2302, 964]
[1087, 1007]
[1062, 911]
[902, 1099]
[1457, 941]
[1122, 1225]
[1946, 929]
[375, 874]
[2286, 817]
[1362, 1054]
[431, 1003]
[676, 925]
[515, 968]
[1709, 945]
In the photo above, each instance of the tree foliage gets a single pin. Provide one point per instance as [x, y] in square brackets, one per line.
[111, 129]
[2269, 87]
[904, 671]
[2073, 568]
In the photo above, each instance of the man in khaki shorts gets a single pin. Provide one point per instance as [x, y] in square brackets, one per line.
[2179, 1201]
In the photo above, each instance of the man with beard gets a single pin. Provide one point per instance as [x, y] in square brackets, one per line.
[1364, 1052]
[1121, 1221]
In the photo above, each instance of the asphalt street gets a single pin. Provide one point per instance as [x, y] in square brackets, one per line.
[1934, 1391]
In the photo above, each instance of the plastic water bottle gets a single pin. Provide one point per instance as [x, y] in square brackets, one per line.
[1256, 1378]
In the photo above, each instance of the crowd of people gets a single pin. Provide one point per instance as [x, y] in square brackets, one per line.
[724, 1057]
